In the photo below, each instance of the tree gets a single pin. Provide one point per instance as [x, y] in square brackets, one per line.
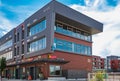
[2, 65]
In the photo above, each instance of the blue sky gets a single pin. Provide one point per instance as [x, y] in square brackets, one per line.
[14, 12]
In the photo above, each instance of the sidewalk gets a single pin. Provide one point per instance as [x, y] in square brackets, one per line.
[43, 80]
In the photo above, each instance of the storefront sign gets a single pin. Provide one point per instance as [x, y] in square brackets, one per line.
[30, 59]
[52, 56]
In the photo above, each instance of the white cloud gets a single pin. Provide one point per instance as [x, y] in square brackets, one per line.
[105, 43]
[5, 24]
[95, 4]
[22, 12]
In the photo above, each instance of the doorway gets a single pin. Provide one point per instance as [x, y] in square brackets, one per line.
[17, 73]
[32, 72]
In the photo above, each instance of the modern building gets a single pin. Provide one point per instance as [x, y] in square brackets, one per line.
[56, 40]
[98, 63]
[113, 63]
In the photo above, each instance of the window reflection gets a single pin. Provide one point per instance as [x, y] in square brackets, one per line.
[6, 45]
[37, 45]
[67, 46]
[37, 28]
[70, 31]
[7, 55]
[55, 70]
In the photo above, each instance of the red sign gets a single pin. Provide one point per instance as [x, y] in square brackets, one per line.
[52, 57]
[30, 59]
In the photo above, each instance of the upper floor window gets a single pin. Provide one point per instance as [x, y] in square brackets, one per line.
[18, 37]
[15, 38]
[68, 46]
[6, 45]
[22, 34]
[72, 31]
[17, 50]
[22, 49]
[37, 28]
[37, 45]
[7, 55]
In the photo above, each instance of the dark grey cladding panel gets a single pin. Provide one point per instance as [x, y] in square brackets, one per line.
[48, 33]
[79, 17]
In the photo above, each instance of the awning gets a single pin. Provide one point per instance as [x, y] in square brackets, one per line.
[43, 60]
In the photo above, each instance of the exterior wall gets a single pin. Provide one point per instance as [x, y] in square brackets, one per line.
[77, 62]
[47, 33]
[17, 43]
[47, 13]
[78, 66]
[98, 63]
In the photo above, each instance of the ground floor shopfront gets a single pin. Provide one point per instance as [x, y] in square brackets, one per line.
[60, 64]
[47, 67]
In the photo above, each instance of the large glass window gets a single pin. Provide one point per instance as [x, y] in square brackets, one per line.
[55, 70]
[17, 50]
[23, 34]
[22, 49]
[70, 31]
[68, 46]
[77, 48]
[63, 45]
[18, 36]
[37, 28]
[6, 45]
[37, 45]
[7, 55]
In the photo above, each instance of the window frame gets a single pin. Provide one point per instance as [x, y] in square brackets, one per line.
[55, 70]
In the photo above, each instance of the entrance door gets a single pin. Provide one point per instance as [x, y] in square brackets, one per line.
[32, 72]
[6, 73]
[17, 74]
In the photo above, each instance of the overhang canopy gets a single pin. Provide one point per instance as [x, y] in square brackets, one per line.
[43, 60]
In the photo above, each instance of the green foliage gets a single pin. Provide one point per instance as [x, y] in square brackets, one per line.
[99, 76]
[2, 63]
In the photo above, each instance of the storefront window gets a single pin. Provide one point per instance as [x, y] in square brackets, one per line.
[55, 70]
